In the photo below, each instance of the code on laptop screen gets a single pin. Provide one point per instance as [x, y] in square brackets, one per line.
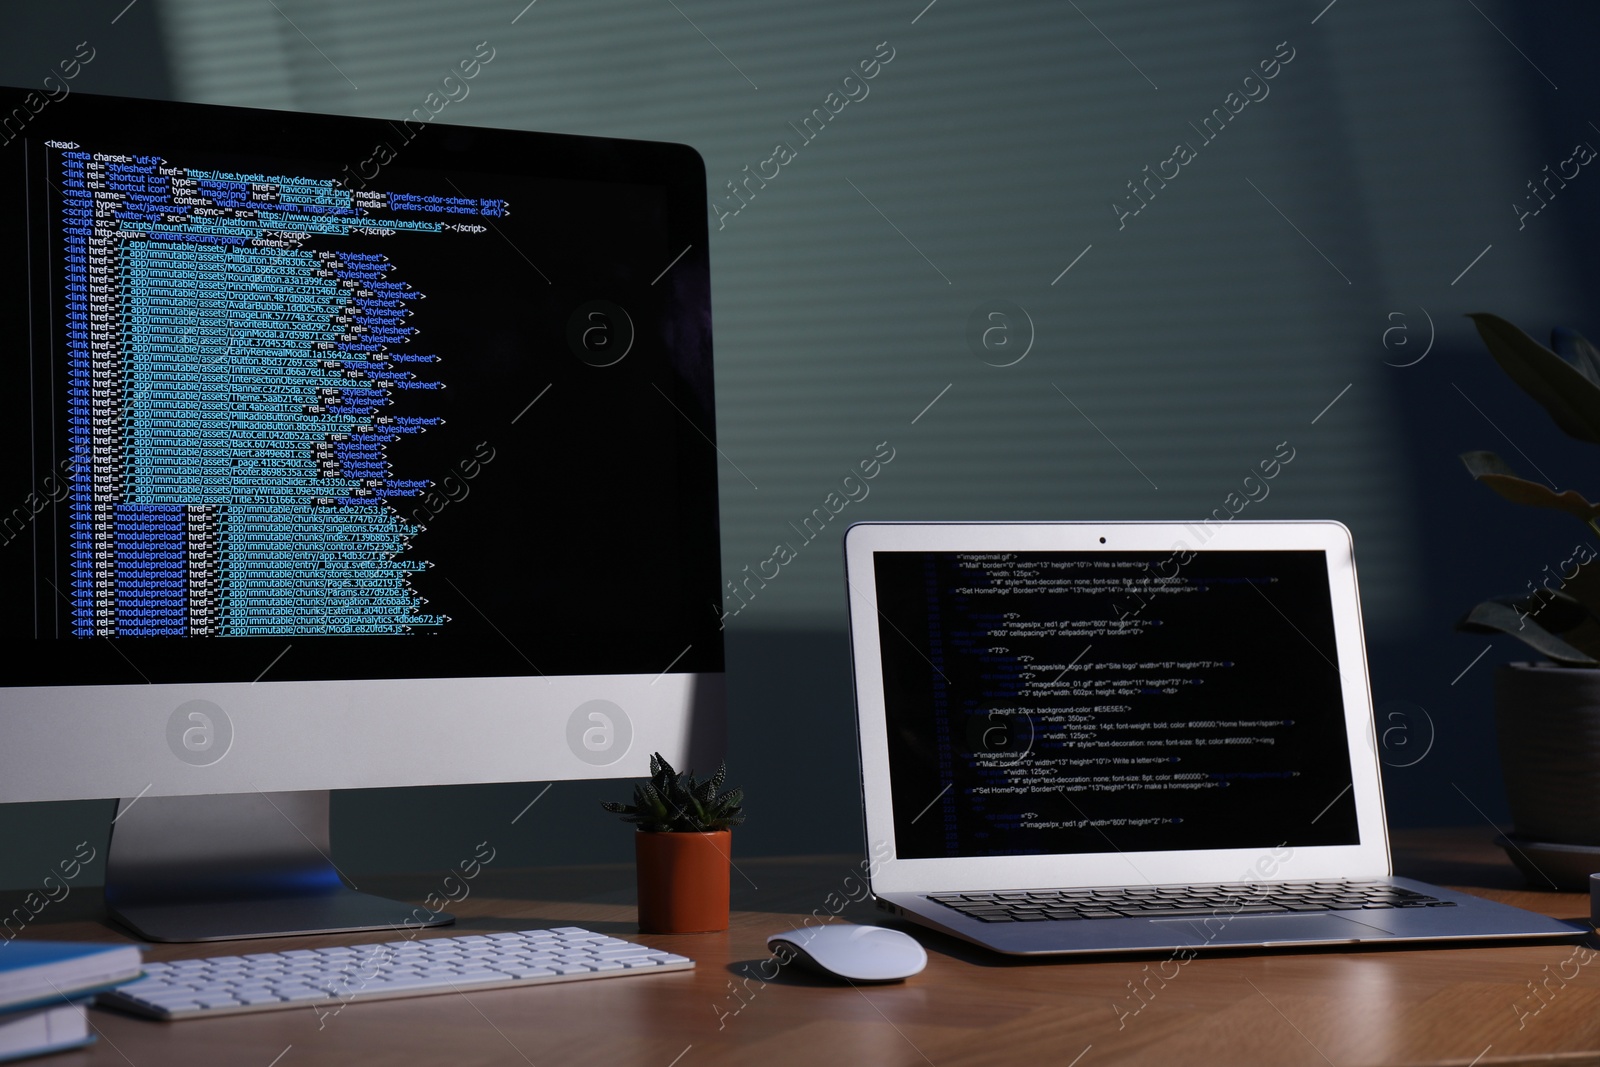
[1069, 702]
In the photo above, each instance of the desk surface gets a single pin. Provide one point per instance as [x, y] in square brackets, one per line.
[1396, 1006]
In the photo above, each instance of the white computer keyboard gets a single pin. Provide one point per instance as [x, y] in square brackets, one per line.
[327, 977]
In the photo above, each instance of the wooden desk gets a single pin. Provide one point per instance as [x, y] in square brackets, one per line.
[1395, 1006]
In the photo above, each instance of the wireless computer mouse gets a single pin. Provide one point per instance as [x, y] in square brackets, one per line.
[855, 953]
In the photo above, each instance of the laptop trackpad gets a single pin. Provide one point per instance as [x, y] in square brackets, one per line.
[1270, 929]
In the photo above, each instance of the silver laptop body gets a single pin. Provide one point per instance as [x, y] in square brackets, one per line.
[1129, 737]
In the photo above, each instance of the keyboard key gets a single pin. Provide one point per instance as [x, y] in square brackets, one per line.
[215, 1000]
[313, 995]
[398, 982]
[176, 1006]
[1176, 911]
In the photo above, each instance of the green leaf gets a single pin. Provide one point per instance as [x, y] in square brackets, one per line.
[1559, 613]
[1583, 584]
[1502, 615]
[670, 801]
[1571, 399]
[1495, 473]
[1573, 347]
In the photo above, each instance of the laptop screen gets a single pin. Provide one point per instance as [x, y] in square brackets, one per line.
[1076, 702]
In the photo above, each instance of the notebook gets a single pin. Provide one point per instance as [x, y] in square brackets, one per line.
[1130, 737]
[35, 973]
[39, 1030]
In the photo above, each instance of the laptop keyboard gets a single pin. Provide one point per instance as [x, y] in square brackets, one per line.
[1155, 902]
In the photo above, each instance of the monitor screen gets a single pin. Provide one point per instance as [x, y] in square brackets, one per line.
[306, 399]
[1075, 699]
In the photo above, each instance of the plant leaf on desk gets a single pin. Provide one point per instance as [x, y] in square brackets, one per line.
[1563, 615]
[1583, 585]
[1573, 347]
[677, 803]
[1494, 472]
[1507, 615]
[1565, 391]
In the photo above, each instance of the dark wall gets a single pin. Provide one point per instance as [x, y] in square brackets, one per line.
[129, 53]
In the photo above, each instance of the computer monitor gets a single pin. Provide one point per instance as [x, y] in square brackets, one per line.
[341, 453]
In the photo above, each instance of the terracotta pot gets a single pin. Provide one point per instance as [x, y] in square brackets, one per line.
[1548, 720]
[683, 881]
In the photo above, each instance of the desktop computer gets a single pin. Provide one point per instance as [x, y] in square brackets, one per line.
[341, 453]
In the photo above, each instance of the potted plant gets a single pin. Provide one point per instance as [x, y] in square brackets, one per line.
[682, 849]
[1547, 714]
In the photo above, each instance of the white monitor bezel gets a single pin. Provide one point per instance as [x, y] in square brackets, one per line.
[116, 741]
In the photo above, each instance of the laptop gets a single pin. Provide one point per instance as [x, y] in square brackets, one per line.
[1089, 737]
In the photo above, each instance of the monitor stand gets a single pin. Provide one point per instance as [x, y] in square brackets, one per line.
[211, 868]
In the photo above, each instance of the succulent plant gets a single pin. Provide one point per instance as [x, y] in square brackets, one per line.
[1559, 618]
[676, 803]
